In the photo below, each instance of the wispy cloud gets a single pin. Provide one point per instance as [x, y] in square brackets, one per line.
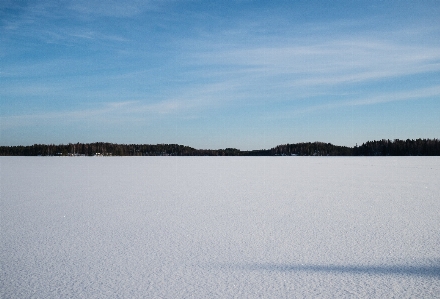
[414, 94]
[126, 111]
[411, 95]
[187, 103]
[70, 116]
[35, 20]
[112, 8]
[340, 61]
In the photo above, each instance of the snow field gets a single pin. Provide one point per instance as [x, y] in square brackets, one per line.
[220, 227]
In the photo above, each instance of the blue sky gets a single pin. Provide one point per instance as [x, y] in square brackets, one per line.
[217, 74]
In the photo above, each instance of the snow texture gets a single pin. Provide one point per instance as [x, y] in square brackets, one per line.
[220, 227]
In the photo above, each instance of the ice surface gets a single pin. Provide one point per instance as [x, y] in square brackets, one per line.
[220, 227]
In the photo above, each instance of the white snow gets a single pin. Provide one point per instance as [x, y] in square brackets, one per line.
[220, 227]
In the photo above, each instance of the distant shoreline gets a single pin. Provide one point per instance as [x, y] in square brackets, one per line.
[396, 147]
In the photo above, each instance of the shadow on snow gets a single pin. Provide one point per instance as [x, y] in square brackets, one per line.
[413, 270]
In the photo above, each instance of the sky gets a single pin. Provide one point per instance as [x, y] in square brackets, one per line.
[218, 74]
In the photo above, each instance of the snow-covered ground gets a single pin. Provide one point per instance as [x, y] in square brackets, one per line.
[220, 227]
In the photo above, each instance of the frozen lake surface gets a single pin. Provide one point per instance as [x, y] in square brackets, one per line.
[220, 227]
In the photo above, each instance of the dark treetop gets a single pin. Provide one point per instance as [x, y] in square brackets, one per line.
[418, 147]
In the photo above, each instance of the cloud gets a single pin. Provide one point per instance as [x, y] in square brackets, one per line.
[63, 22]
[324, 63]
[414, 94]
[105, 109]
[112, 8]
[106, 113]
[184, 103]
[410, 95]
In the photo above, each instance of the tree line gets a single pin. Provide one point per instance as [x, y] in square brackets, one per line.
[396, 147]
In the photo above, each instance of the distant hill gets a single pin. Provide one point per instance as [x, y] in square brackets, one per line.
[409, 147]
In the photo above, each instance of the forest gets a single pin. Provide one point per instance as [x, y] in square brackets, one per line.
[384, 147]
